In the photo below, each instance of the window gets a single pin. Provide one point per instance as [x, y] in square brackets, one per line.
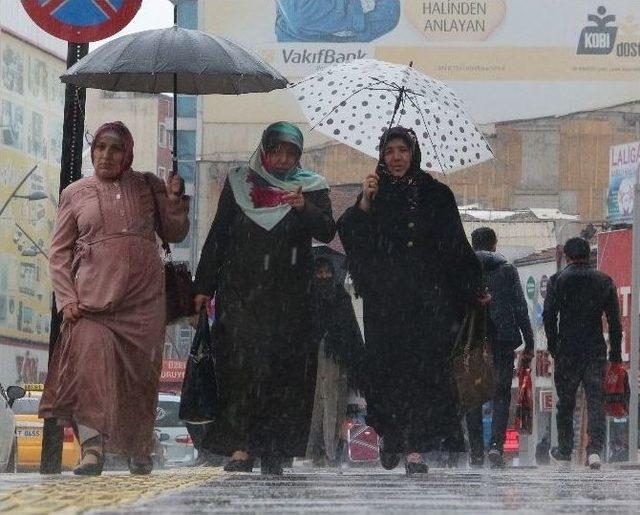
[186, 142]
[187, 170]
[167, 414]
[162, 135]
[186, 106]
[188, 14]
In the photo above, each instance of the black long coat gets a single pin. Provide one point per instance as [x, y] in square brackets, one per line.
[416, 272]
[266, 361]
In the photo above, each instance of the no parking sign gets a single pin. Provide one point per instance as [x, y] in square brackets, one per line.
[82, 21]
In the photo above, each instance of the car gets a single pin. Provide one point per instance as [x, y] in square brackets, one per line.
[29, 430]
[179, 446]
[8, 443]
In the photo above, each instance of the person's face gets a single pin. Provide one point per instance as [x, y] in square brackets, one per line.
[397, 157]
[108, 156]
[324, 273]
[282, 158]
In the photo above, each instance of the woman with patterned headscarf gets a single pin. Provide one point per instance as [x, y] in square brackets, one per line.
[413, 267]
[257, 261]
[108, 280]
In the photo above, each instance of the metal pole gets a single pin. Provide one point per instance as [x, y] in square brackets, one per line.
[174, 152]
[70, 171]
[635, 329]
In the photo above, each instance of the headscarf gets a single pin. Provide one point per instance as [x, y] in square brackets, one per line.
[405, 186]
[120, 130]
[259, 192]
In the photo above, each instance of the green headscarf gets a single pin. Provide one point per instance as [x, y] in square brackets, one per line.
[243, 179]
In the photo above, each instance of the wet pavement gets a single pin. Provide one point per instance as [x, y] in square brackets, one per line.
[307, 490]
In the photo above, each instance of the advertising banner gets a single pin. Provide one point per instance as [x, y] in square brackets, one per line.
[623, 173]
[507, 60]
[614, 259]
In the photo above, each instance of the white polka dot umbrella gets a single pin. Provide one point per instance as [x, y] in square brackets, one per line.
[356, 102]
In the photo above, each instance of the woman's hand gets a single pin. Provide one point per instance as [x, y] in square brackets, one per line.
[201, 301]
[369, 191]
[295, 199]
[71, 313]
[175, 186]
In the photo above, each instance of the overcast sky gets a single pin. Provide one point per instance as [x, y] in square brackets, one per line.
[153, 14]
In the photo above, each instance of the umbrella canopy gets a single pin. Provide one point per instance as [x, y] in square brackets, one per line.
[175, 60]
[356, 102]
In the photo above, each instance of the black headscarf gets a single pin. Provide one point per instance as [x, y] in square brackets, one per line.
[405, 187]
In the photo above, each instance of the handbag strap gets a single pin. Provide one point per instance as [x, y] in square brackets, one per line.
[165, 245]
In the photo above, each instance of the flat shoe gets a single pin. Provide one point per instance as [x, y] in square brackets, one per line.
[90, 469]
[416, 468]
[239, 466]
[140, 466]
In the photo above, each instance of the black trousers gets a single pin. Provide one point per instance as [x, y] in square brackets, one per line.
[503, 356]
[570, 372]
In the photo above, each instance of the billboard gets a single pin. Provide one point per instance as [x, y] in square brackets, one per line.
[623, 173]
[507, 60]
[614, 259]
[31, 108]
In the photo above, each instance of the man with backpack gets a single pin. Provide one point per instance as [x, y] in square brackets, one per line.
[510, 320]
[576, 299]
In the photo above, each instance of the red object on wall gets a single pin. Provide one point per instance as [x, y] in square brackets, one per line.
[511, 441]
[614, 259]
[173, 371]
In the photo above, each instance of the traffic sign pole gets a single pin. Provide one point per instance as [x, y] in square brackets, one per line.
[70, 171]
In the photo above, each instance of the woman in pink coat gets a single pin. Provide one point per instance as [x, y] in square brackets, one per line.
[107, 275]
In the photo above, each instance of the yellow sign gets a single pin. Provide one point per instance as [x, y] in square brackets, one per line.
[31, 107]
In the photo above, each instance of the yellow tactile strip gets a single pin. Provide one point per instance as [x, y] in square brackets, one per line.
[70, 495]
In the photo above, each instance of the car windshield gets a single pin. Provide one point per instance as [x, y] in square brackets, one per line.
[26, 406]
[167, 414]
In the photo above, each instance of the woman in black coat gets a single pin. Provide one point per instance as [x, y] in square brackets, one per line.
[257, 260]
[413, 267]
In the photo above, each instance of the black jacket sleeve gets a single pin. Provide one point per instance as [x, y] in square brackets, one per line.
[215, 246]
[318, 216]
[521, 310]
[550, 316]
[463, 266]
[357, 235]
[612, 312]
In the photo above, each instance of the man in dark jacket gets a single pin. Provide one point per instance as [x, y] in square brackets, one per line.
[579, 295]
[510, 319]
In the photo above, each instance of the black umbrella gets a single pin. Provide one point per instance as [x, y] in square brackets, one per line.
[174, 60]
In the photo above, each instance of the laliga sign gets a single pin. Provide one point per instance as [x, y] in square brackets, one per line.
[82, 21]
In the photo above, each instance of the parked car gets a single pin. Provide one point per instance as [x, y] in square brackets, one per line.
[8, 443]
[179, 446]
[29, 433]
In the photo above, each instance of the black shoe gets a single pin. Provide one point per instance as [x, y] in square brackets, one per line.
[239, 466]
[495, 457]
[388, 460]
[476, 462]
[415, 468]
[140, 466]
[271, 466]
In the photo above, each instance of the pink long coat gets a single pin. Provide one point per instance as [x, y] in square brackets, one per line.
[104, 256]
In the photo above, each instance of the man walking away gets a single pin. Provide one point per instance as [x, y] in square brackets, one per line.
[509, 316]
[578, 296]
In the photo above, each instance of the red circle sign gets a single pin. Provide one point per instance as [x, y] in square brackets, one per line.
[82, 21]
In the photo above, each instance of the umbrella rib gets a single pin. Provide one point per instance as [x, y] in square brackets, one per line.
[424, 122]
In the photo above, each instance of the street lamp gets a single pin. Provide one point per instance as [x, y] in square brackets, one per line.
[33, 251]
[31, 196]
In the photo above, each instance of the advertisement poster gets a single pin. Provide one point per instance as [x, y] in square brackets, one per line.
[31, 110]
[506, 59]
[614, 259]
[623, 173]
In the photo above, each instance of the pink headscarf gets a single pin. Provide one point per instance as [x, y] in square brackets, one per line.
[121, 130]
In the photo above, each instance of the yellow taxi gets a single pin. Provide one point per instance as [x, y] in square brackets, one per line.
[29, 433]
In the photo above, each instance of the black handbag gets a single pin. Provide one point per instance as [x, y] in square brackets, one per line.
[473, 366]
[199, 388]
[178, 282]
